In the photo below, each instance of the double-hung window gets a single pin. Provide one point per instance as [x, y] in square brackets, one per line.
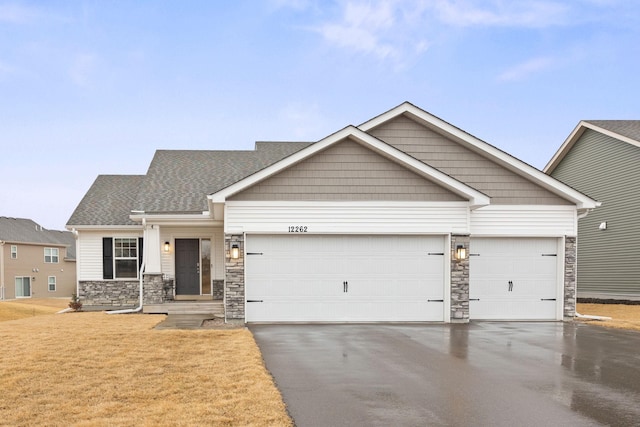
[125, 257]
[51, 255]
[14, 252]
[52, 283]
[121, 257]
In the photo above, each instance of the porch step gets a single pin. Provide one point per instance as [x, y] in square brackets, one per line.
[213, 308]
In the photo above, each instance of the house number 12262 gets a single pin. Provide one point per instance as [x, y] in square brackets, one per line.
[297, 229]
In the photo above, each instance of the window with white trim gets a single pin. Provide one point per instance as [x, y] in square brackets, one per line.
[51, 255]
[14, 252]
[52, 283]
[125, 257]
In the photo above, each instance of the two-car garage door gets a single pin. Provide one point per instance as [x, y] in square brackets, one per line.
[344, 278]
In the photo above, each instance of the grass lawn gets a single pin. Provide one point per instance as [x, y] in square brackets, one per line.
[94, 369]
[622, 316]
[30, 307]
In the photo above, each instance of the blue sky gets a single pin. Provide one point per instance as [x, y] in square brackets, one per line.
[95, 87]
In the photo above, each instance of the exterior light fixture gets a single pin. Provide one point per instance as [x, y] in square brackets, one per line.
[167, 246]
[603, 226]
[235, 251]
[461, 252]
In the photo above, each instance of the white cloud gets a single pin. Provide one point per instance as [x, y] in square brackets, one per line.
[525, 69]
[362, 28]
[488, 13]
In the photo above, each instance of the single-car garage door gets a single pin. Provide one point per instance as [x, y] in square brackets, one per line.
[337, 278]
[513, 278]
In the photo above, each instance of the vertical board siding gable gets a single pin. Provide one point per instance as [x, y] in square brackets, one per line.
[609, 171]
[502, 185]
[347, 171]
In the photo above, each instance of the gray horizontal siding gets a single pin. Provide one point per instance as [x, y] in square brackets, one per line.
[502, 185]
[609, 171]
[347, 171]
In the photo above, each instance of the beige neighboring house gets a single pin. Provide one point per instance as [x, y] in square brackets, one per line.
[34, 261]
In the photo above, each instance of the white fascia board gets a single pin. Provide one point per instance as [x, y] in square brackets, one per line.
[575, 135]
[515, 165]
[564, 148]
[475, 197]
[102, 227]
[202, 219]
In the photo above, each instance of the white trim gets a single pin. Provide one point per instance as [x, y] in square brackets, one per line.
[524, 220]
[506, 160]
[475, 197]
[575, 135]
[347, 217]
[103, 227]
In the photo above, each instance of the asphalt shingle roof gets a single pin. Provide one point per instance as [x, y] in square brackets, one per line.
[109, 201]
[21, 230]
[177, 181]
[628, 128]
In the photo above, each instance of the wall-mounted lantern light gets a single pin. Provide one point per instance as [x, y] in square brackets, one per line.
[461, 252]
[235, 251]
[603, 226]
[167, 246]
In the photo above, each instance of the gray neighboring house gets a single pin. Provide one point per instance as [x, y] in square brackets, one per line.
[34, 261]
[601, 158]
[402, 218]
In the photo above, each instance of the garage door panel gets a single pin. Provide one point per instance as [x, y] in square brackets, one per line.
[513, 278]
[345, 278]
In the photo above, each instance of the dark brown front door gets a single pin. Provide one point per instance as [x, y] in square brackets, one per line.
[187, 267]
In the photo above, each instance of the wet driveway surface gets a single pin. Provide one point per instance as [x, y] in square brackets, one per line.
[480, 374]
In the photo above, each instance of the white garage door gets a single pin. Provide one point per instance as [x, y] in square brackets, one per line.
[513, 279]
[344, 278]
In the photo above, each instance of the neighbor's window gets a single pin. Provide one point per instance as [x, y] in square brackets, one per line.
[125, 257]
[51, 255]
[14, 252]
[52, 283]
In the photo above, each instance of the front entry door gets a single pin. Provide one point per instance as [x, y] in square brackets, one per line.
[187, 267]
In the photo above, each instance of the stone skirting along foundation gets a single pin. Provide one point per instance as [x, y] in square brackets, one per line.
[570, 277]
[234, 277]
[218, 289]
[459, 281]
[116, 293]
[125, 293]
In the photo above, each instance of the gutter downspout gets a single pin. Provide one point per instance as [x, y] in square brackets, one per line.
[139, 308]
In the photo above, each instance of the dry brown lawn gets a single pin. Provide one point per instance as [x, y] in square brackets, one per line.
[30, 307]
[622, 316]
[94, 369]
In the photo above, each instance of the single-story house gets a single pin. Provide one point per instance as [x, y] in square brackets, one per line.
[601, 158]
[402, 218]
[34, 261]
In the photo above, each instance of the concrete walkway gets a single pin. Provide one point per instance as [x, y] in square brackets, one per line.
[183, 321]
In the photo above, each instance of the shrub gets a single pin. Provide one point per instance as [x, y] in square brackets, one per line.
[75, 303]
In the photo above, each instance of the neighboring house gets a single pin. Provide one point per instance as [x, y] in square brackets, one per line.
[602, 159]
[35, 262]
[403, 218]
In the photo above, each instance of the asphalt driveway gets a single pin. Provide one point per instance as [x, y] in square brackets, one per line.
[480, 374]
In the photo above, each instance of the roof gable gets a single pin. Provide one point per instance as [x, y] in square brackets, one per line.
[624, 130]
[476, 198]
[347, 171]
[487, 150]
